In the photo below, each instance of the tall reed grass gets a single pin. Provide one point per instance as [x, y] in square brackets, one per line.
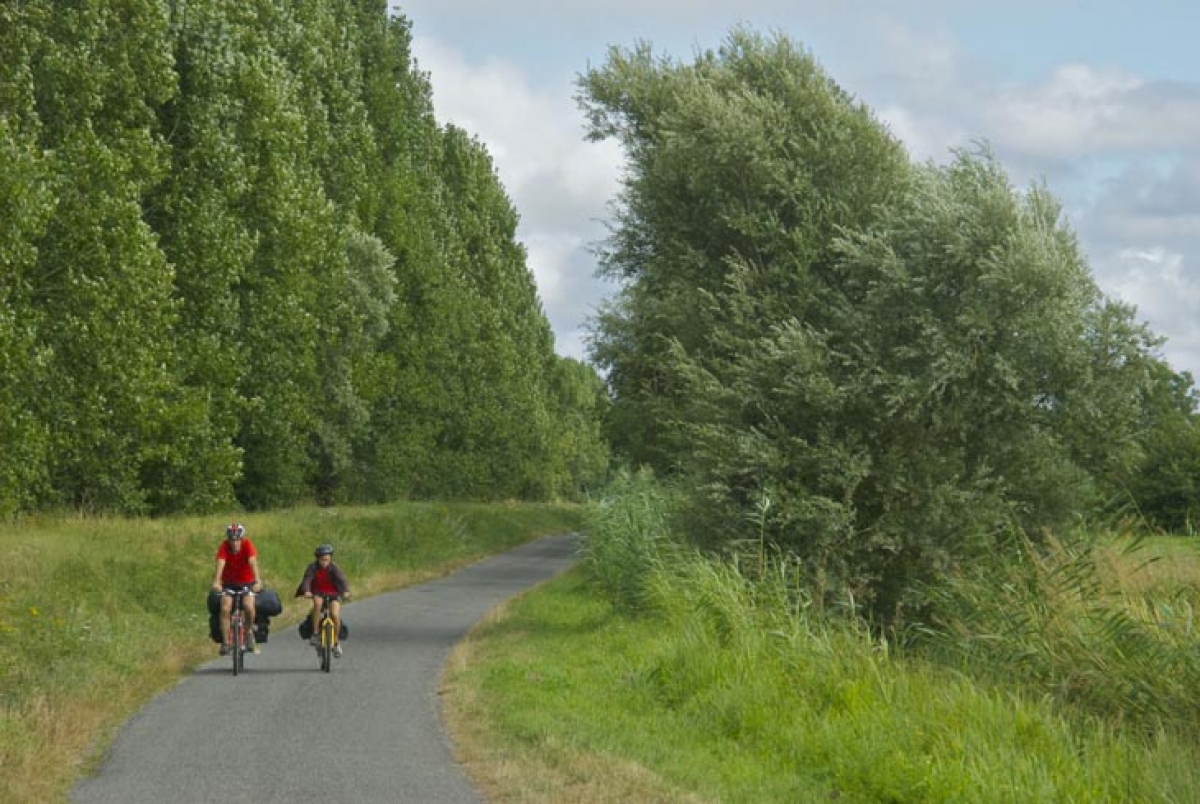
[1060, 619]
[633, 539]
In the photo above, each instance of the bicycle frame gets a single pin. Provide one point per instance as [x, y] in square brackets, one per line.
[237, 627]
[328, 633]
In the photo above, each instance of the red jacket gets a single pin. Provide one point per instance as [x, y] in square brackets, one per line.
[336, 576]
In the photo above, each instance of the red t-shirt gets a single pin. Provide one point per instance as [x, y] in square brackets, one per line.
[322, 584]
[237, 569]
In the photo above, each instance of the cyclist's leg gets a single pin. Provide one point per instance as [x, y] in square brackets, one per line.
[335, 612]
[248, 619]
[314, 617]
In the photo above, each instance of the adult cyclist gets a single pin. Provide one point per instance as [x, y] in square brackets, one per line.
[237, 568]
[323, 577]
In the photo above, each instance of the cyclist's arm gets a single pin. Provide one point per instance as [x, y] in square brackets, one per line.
[253, 562]
[305, 587]
[216, 581]
[342, 583]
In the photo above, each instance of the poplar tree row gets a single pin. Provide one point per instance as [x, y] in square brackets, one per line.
[241, 262]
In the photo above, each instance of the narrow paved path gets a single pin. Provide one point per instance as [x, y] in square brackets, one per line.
[369, 731]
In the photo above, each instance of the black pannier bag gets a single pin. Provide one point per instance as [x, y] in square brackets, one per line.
[214, 615]
[214, 628]
[306, 630]
[262, 628]
[266, 605]
[267, 602]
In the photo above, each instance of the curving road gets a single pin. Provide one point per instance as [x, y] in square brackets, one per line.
[370, 731]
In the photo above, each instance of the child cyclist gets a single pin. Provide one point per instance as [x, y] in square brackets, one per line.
[323, 577]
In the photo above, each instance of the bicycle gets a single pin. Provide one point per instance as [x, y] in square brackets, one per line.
[327, 632]
[237, 627]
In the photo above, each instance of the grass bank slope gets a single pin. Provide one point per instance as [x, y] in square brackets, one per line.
[563, 697]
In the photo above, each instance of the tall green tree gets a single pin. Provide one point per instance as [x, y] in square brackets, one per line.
[26, 204]
[502, 345]
[891, 366]
[742, 167]
[579, 455]
[358, 319]
[101, 288]
[400, 452]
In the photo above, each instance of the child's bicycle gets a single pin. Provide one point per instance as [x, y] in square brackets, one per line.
[327, 632]
[237, 627]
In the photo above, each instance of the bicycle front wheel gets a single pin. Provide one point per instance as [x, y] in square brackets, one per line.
[327, 637]
[237, 638]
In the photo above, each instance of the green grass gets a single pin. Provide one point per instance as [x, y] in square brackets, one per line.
[98, 615]
[1065, 673]
[773, 713]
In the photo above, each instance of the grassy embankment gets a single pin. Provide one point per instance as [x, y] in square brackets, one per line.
[1077, 685]
[99, 615]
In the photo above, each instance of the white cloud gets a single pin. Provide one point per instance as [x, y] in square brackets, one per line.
[1154, 279]
[1082, 109]
[1158, 283]
[926, 137]
[549, 258]
[530, 134]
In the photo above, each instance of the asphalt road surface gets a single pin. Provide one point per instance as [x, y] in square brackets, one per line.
[282, 731]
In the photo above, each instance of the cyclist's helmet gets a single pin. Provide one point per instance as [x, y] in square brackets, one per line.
[235, 531]
[324, 550]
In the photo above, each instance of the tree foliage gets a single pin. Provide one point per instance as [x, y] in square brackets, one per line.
[241, 261]
[892, 366]
[1164, 488]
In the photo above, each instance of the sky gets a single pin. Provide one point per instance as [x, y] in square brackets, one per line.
[1098, 100]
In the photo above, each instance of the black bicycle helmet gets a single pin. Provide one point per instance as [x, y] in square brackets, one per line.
[324, 550]
[235, 531]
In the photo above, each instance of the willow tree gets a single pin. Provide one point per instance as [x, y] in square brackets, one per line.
[892, 366]
[742, 167]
